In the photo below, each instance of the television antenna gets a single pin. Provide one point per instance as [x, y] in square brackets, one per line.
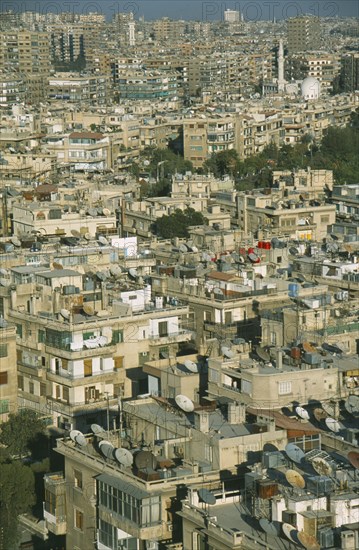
[184, 403]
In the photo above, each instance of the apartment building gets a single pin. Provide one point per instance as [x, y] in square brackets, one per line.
[207, 135]
[73, 365]
[90, 89]
[142, 85]
[27, 53]
[323, 66]
[8, 370]
[303, 33]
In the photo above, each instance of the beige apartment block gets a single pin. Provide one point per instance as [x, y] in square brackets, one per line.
[8, 370]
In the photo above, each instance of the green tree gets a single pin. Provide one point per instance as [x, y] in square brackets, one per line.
[176, 224]
[21, 431]
[17, 495]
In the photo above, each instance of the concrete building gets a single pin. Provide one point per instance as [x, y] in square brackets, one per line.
[8, 370]
[303, 33]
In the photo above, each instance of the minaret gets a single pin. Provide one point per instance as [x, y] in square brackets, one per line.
[281, 81]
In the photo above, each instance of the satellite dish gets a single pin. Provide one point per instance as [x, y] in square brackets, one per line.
[183, 248]
[102, 313]
[106, 212]
[4, 272]
[87, 236]
[334, 237]
[81, 440]
[353, 458]
[254, 258]
[352, 405]
[319, 414]
[76, 233]
[4, 282]
[97, 429]
[294, 452]
[184, 403]
[322, 467]
[302, 413]
[194, 249]
[65, 313]
[262, 354]
[145, 460]
[227, 352]
[191, 366]
[88, 309]
[295, 479]
[308, 541]
[293, 251]
[289, 531]
[106, 448]
[56, 265]
[329, 408]
[15, 241]
[101, 275]
[301, 278]
[124, 457]
[132, 273]
[206, 496]
[74, 434]
[92, 212]
[333, 425]
[102, 240]
[217, 291]
[268, 527]
[115, 270]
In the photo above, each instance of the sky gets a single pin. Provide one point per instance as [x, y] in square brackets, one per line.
[201, 10]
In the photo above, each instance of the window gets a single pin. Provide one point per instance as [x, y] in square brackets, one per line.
[79, 520]
[4, 406]
[58, 339]
[273, 338]
[118, 362]
[87, 367]
[163, 328]
[41, 336]
[19, 329]
[31, 387]
[78, 479]
[42, 389]
[324, 219]
[284, 388]
[20, 382]
[3, 350]
[65, 394]
[117, 337]
[3, 378]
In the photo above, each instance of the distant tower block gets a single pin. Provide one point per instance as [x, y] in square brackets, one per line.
[281, 81]
[131, 33]
[232, 16]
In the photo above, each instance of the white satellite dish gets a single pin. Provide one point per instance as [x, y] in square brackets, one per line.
[81, 440]
[184, 403]
[115, 270]
[124, 457]
[74, 434]
[227, 352]
[333, 425]
[106, 448]
[65, 313]
[15, 241]
[97, 429]
[289, 531]
[87, 236]
[102, 313]
[132, 272]
[183, 248]
[302, 413]
[191, 365]
[102, 240]
[106, 212]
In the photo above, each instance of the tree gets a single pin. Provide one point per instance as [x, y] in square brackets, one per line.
[20, 431]
[17, 495]
[176, 224]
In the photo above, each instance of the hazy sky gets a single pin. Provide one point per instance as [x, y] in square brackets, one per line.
[207, 10]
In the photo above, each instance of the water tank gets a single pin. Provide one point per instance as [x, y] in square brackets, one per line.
[319, 485]
[326, 537]
[293, 289]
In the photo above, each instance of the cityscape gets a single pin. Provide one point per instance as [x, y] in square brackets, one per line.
[179, 276]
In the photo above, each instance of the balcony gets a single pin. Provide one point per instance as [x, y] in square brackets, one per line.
[55, 505]
[171, 338]
[72, 355]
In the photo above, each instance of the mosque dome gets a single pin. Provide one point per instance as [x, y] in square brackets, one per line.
[310, 88]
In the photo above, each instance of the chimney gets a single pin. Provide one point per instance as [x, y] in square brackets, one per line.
[236, 413]
[201, 421]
